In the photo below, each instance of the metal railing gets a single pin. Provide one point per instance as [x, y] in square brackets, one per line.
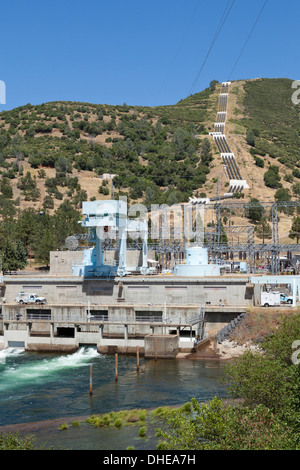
[200, 318]
[36, 316]
[98, 317]
[195, 319]
[149, 319]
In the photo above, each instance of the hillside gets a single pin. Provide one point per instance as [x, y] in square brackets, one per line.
[160, 152]
[58, 152]
[264, 108]
[154, 149]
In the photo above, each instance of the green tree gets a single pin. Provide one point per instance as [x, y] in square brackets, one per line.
[272, 178]
[184, 143]
[250, 138]
[46, 244]
[6, 188]
[9, 257]
[21, 255]
[213, 84]
[65, 223]
[205, 152]
[254, 210]
[259, 162]
[296, 172]
[296, 189]
[263, 229]
[215, 426]
[282, 195]
[270, 377]
[268, 382]
[27, 227]
[261, 379]
[80, 196]
[63, 166]
[151, 195]
[42, 173]
[48, 202]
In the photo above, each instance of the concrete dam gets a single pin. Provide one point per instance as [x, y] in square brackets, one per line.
[122, 303]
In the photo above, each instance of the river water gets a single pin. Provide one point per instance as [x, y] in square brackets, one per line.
[38, 389]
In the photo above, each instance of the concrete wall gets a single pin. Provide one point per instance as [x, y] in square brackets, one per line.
[26, 335]
[161, 346]
[133, 290]
[123, 301]
[61, 261]
[22, 334]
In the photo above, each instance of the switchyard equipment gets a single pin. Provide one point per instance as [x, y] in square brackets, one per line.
[109, 228]
[107, 220]
[114, 231]
[197, 264]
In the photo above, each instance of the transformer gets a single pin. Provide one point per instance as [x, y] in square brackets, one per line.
[196, 264]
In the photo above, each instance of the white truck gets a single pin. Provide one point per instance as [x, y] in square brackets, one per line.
[270, 299]
[286, 299]
[24, 298]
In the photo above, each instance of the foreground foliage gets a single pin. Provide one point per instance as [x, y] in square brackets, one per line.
[215, 426]
[269, 419]
[12, 441]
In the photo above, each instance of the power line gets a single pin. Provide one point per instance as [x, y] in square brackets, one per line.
[248, 38]
[219, 29]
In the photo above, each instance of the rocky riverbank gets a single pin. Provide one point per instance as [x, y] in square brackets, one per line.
[230, 349]
[220, 351]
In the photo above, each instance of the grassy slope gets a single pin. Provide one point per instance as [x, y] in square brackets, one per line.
[269, 109]
[263, 105]
[57, 129]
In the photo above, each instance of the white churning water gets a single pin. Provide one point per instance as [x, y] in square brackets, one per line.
[20, 373]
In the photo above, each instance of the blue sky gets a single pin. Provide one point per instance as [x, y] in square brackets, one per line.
[139, 52]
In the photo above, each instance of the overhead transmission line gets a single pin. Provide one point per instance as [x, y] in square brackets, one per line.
[248, 38]
[218, 30]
